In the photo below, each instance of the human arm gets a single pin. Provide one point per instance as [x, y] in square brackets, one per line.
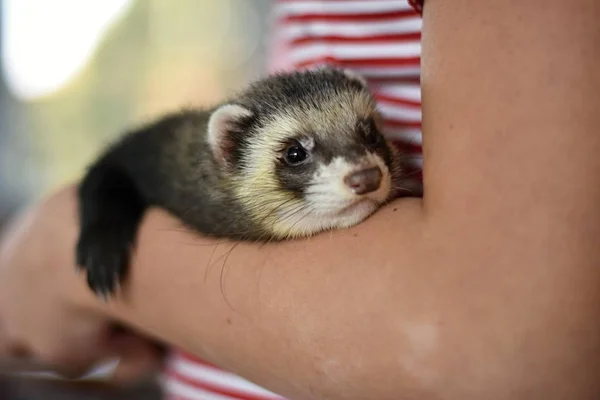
[460, 295]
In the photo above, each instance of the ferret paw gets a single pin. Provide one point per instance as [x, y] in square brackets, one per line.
[104, 253]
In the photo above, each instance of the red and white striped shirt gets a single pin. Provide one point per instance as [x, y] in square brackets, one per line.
[379, 39]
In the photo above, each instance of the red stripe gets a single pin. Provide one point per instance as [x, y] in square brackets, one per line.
[340, 17]
[412, 36]
[398, 101]
[417, 5]
[381, 80]
[233, 393]
[389, 123]
[407, 147]
[366, 62]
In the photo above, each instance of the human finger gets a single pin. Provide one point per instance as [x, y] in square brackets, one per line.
[139, 358]
[11, 347]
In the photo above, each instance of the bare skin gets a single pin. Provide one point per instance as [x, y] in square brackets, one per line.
[488, 288]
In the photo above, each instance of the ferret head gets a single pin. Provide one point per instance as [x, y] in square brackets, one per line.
[304, 152]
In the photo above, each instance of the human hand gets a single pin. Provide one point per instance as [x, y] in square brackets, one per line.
[41, 318]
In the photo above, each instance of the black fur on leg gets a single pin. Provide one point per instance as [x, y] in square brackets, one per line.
[110, 211]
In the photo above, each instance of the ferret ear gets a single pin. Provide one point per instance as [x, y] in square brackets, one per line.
[223, 125]
[355, 76]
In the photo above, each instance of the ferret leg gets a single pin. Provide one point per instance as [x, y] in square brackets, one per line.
[110, 208]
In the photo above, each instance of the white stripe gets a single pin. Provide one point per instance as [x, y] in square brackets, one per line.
[410, 135]
[379, 72]
[173, 387]
[218, 377]
[346, 7]
[406, 91]
[398, 113]
[387, 72]
[355, 51]
[295, 30]
[415, 162]
[101, 372]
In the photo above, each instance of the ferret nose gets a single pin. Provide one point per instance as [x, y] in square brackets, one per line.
[364, 181]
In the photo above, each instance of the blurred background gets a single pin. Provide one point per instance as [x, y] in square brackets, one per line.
[75, 74]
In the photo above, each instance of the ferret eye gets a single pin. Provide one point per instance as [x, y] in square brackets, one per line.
[372, 138]
[295, 155]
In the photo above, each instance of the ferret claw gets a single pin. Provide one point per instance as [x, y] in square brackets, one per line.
[106, 254]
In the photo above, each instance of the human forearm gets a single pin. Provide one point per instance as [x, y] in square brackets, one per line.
[244, 309]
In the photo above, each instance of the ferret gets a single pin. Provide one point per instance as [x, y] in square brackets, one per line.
[291, 155]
